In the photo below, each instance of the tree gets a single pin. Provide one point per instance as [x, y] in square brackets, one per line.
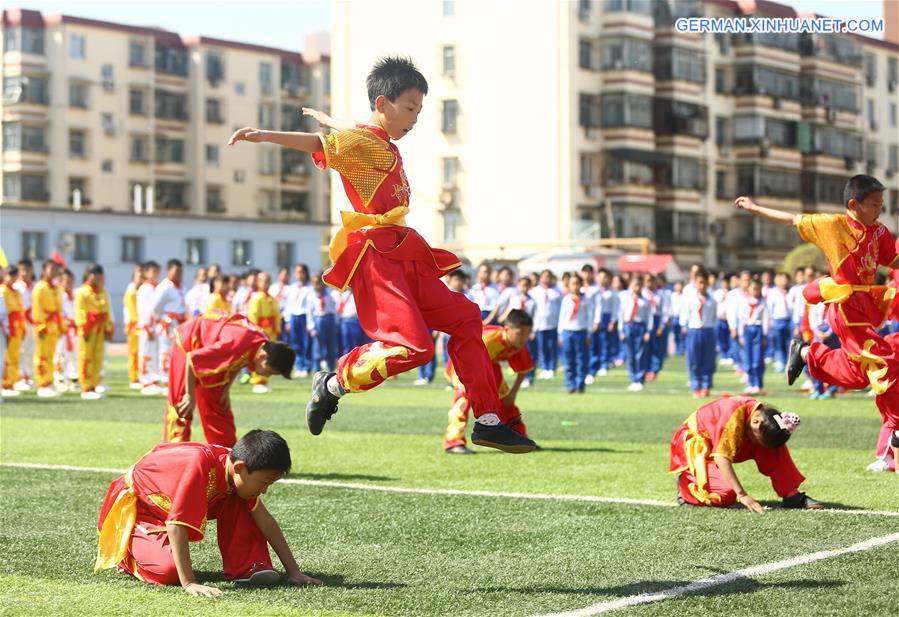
[803, 256]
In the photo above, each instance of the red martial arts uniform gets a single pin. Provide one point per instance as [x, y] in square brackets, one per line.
[216, 348]
[499, 350]
[395, 274]
[186, 484]
[856, 308]
[719, 428]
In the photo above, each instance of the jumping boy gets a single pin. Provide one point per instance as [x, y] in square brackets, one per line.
[394, 273]
[151, 513]
[855, 244]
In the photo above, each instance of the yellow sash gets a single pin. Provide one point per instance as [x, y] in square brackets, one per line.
[837, 293]
[117, 527]
[696, 448]
[354, 221]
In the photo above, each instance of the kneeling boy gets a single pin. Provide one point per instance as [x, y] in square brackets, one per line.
[164, 500]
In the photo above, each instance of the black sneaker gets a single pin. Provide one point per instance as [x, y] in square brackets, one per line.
[322, 404]
[894, 439]
[501, 437]
[795, 363]
[801, 501]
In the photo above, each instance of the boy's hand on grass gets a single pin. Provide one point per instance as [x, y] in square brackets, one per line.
[751, 504]
[298, 578]
[196, 589]
[247, 133]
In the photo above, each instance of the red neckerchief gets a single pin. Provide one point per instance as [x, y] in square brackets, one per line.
[577, 306]
[701, 306]
[636, 299]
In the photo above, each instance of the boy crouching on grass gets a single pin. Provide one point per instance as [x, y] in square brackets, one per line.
[164, 500]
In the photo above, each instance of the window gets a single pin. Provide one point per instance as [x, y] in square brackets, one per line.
[268, 160]
[892, 114]
[215, 203]
[106, 166]
[827, 93]
[139, 150]
[284, 254]
[240, 176]
[292, 118]
[872, 119]
[870, 69]
[80, 185]
[266, 200]
[673, 117]
[293, 162]
[589, 54]
[768, 182]
[828, 140]
[21, 137]
[751, 79]
[840, 49]
[171, 60]
[449, 60]
[294, 76]
[137, 102]
[450, 225]
[266, 116]
[723, 137]
[588, 110]
[171, 196]
[241, 253]
[196, 251]
[77, 47]
[589, 167]
[215, 68]
[132, 249]
[26, 40]
[723, 188]
[893, 160]
[239, 88]
[169, 150]
[212, 155]
[106, 75]
[893, 71]
[723, 41]
[626, 53]
[137, 54]
[450, 171]
[450, 116]
[77, 144]
[171, 105]
[583, 10]
[872, 154]
[675, 63]
[33, 245]
[822, 188]
[85, 247]
[758, 129]
[620, 171]
[449, 8]
[25, 89]
[25, 187]
[643, 7]
[685, 173]
[214, 111]
[295, 202]
[621, 109]
[265, 77]
[78, 94]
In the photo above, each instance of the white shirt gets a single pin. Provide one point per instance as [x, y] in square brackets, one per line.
[241, 300]
[797, 302]
[676, 300]
[779, 304]
[575, 321]
[754, 312]
[548, 301]
[296, 299]
[68, 304]
[503, 297]
[627, 314]
[607, 303]
[25, 290]
[698, 313]
[816, 320]
[720, 297]
[169, 299]
[195, 299]
[146, 306]
[279, 291]
[484, 296]
[521, 302]
[346, 304]
[318, 306]
[736, 300]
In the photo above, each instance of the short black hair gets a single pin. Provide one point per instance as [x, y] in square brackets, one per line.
[147, 265]
[26, 262]
[588, 268]
[860, 186]
[48, 262]
[261, 449]
[281, 357]
[174, 263]
[95, 269]
[518, 319]
[459, 273]
[391, 76]
[772, 435]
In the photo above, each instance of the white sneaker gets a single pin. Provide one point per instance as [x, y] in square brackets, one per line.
[261, 388]
[47, 392]
[10, 392]
[638, 387]
[589, 380]
[602, 372]
[302, 374]
[526, 383]
[102, 389]
[151, 390]
[460, 450]
[421, 381]
[92, 395]
[21, 386]
[550, 374]
[135, 385]
[878, 466]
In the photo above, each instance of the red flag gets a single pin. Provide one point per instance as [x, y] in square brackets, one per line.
[57, 257]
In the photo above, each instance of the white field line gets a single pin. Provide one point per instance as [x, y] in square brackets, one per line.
[450, 491]
[724, 579]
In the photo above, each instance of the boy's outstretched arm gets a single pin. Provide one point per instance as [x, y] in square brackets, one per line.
[304, 142]
[275, 537]
[181, 556]
[784, 218]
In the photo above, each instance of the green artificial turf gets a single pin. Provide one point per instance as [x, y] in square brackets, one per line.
[384, 553]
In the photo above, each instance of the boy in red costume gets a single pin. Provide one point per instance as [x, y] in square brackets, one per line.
[151, 513]
[393, 272]
[855, 243]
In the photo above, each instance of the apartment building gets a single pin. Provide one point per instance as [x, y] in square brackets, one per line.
[576, 122]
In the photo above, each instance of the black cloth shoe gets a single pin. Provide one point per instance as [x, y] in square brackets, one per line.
[795, 363]
[501, 437]
[894, 439]
[801, 501]
[322, 404]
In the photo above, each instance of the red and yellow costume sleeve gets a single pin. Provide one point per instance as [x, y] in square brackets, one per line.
[218, 348]
[715, 429]
[46, 308]
[264, 312]
[371, 169]
[217, 304]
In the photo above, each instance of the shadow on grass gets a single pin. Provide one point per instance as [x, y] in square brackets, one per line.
[329, 580]
[576, 449]
[340, 476]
